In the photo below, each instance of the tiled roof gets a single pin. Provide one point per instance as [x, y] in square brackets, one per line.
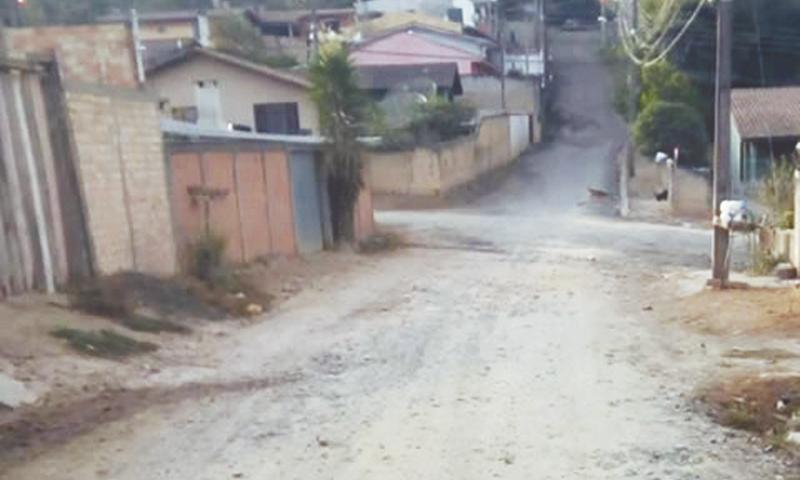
[184, 54]
[766, 112]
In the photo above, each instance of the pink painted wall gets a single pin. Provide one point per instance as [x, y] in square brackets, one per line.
[404, 47]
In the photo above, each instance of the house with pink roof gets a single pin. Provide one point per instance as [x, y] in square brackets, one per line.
[422, 45]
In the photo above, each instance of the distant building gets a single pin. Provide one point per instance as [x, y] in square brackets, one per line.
[765, 126]
[218, 90]
[487, 19]
[291, 32]
[299, 23]
[163, 34]
[459, 11]
[171, 26]
[425, 78]
[418, 45]
[396, 20]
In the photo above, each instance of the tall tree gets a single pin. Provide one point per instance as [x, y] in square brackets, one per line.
[341, 113]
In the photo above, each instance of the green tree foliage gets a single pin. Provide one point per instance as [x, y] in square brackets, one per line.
[439, 120]
[41, 12]
[342, 111]
[766, 47]
[46, 12]
[776, 192]
[662, 126]
[237, 36]
[663, 82]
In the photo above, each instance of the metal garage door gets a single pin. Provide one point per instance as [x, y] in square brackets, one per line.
[305, 194]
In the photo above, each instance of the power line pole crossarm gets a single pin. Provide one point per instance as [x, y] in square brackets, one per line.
[722, 132]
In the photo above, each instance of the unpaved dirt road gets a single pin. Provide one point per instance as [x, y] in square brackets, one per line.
[514, 341]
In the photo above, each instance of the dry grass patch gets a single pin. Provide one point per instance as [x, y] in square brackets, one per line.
[103, 343]
[770, 354]
[764, 405]
[381, 242]
[743, 311]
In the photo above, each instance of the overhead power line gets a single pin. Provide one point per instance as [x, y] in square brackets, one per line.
[631, 47]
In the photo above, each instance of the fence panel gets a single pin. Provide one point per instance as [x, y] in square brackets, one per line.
[240, 192]
[38, 248]
[253, 210]
[305, 194]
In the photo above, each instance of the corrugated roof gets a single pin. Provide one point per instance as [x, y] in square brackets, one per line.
[399, 20]
[384, 77]
[766, 112]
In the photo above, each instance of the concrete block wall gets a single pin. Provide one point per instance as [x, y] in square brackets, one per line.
[99, 54]
[120, 162]
[485, 93]
[432, 171]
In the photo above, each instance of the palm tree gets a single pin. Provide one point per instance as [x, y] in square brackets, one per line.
[340, 105]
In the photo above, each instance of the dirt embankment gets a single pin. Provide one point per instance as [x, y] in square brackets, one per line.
[77, 390]
[28, 431]
[767, 312]
[753, 332]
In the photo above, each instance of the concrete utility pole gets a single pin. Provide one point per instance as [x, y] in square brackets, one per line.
[315, 32]
[603, 22]
[501, 20]
[722, 135]
[633, 89]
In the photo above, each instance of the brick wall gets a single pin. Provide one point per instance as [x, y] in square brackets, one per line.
[119, 150]
[92, 53]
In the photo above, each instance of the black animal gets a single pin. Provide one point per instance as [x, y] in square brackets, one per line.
[662, 196]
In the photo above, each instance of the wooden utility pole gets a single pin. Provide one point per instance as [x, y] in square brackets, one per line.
[722, 135]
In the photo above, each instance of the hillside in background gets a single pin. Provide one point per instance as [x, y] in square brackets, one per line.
[42, 12]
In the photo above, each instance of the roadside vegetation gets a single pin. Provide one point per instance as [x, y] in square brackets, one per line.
[210, 290]
[380, 243]
[669, 110]
[775, 196]
[216, 283]
[435, 121]
[38, 12]
[776, 193]
[103, 343]
[767, 406]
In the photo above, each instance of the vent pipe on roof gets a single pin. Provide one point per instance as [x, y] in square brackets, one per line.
[202, 31]
[137, 46]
